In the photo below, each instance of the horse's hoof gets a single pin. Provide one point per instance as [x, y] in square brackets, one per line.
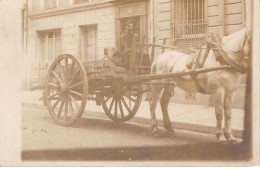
[218, 135]
[171, 134]
[221, 139]
[157, 134]
[232, 139]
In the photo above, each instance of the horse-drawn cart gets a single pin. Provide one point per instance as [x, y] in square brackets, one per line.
[70, 83]
[215, 68]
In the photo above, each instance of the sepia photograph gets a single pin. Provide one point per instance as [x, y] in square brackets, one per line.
[129, 82]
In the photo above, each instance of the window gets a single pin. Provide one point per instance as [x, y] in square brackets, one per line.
[50, 4]
[50, 42]
[189, 23]
[89, 42]
[81, 1]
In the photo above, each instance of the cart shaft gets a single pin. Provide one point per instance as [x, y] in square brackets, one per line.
[145, 78]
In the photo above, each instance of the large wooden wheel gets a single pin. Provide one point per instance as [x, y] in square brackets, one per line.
[66, 90]
[121, 104]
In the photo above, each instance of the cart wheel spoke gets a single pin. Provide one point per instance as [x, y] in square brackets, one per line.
[61, 71]
[107, 99]
[56, 103]
[121, 109]
[76, 93]
[53, 85]
[77, 84]
[123, 100]
[74, 102]
[66, 69]
[115, 109]
[60, 109]
[57, 77]
[130, 98]
[66, 110]
[71, 70]
[71, 109]
[111, 105]
[52, 96]
[74, 76]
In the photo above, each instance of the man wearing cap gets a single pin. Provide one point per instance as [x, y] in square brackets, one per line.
[124, 44]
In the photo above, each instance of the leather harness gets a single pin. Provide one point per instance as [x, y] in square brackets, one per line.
[220, 54]
[197, 64]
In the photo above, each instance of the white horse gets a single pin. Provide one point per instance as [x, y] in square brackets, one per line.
[220, 84]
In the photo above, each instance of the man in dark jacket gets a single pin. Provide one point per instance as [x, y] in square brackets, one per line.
[124, 47]
[124, 44]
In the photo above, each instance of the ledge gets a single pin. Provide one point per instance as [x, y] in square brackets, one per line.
[72, 9]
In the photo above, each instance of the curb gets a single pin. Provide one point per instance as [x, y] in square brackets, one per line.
[146, 121]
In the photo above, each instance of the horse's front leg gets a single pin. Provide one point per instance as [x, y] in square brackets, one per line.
[218, 100]
[155, 93]
[227, 113]
[166, 96]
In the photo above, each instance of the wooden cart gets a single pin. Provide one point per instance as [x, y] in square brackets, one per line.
[70, 83]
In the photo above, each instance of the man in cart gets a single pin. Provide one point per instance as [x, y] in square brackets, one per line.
[124, 47]
[124, 44]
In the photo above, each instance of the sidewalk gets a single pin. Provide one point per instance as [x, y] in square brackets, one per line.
[191, 117]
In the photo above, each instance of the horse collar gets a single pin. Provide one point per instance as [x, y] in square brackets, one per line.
[223, 55]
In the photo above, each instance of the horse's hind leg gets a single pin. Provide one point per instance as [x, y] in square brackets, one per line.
[227, 113]
[218, 99]
[166, 96]
[155, 93]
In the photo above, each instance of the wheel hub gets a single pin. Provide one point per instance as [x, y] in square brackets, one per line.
[64, 89]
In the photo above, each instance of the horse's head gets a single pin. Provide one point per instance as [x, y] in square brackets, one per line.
[246, 44]
[238, 47]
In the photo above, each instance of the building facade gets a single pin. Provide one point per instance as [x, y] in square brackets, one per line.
[84, 28]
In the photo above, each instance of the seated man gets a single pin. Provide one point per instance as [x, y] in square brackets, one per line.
[121, 56]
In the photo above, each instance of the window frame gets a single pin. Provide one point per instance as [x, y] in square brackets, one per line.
[45, 59]
[182, 34]
[84, 30]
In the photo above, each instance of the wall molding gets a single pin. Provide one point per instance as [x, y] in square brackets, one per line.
[73, 9]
